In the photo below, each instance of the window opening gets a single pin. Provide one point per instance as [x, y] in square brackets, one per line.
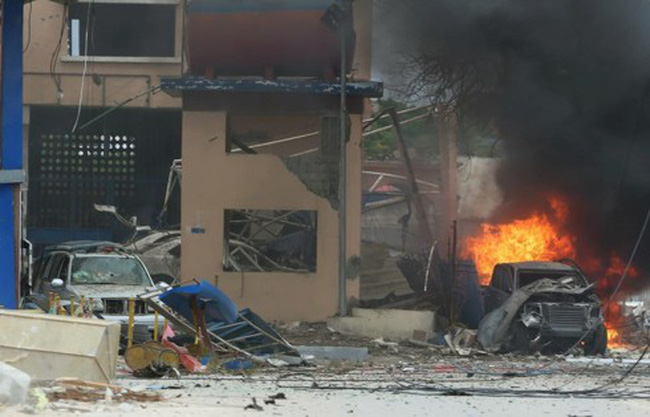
[270, 240]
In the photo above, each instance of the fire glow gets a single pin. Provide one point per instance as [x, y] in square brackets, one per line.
[536, 238]
[539, 237]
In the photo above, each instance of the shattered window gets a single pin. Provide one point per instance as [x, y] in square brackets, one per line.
[108, 270]
[528, 277]
[270, 240]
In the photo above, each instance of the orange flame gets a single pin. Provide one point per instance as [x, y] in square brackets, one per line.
[612, 315]
[535, 238]
[607, 284]
[539, 237]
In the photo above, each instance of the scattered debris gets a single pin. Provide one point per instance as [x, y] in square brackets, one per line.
[85, 391]
[203, 312]
[152, 357]
[254, 406]
[335, 353]
[238, 365]
[392, 346]
[387, 323]
[47, 347]
[14, 385]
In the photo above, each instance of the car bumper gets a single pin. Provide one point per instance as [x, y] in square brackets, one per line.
[148, 320]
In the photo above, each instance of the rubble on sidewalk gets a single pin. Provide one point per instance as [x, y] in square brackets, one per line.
[47, 347]
[207, 323]
[388, 323]
[14, 385]
[84, 391]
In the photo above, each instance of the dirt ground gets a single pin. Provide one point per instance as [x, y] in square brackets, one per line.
[402, 380]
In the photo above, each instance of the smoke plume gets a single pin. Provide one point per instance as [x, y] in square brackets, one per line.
[570, 101]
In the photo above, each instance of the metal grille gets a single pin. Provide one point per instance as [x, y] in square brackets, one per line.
[122, 161]
[83, 169]
[566, 317]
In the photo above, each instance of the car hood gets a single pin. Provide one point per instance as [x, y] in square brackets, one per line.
[493, 329]
[109, 291]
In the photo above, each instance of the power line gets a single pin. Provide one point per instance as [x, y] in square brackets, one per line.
[54, 59]
[85, 68]
[29, 28]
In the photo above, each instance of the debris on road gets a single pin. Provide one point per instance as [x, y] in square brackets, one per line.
[83, 391]
[205, 315]
[47, 347]
[254, 406]
[14, 385]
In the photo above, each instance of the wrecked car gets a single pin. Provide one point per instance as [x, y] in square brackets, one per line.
[541, 306]
[104, 273]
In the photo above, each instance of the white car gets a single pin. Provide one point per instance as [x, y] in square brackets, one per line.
[103, 272]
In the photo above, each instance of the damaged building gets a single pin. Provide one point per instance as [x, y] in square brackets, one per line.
[258, 133]
[97, 129]
[260, 207]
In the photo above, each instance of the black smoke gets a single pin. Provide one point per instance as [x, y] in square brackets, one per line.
[570, 103]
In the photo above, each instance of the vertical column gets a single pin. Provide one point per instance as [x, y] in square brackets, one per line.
[11, 143]
[447, 131]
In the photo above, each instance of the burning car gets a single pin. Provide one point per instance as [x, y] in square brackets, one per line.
[102, 272]
[541, 306]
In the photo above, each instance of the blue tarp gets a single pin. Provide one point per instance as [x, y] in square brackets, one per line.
[217, 305]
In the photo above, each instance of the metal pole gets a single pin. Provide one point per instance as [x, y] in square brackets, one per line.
[409, 173]
[11, 150]
[343, 310]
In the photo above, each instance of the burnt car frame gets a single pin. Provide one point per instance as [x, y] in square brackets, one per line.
[542, 306]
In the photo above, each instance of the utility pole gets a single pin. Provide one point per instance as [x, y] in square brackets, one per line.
[11, 151]
[448, 213]
[343, 133]
[409, 172]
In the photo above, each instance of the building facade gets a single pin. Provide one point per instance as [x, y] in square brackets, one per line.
[111, 100]
[97, 128]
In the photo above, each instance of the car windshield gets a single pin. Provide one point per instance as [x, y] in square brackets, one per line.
[108, 270]
[528, 277]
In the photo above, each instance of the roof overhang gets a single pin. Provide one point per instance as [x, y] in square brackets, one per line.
[175, 86]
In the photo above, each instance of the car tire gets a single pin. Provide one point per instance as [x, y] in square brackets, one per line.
[519, 339]
[597, 344]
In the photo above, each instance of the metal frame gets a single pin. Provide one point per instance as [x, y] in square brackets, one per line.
[241, 243]
[217, 343]
[11, 144]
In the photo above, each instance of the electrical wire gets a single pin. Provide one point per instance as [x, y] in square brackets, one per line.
[629, 262]
[444, 387]
[54, 59]
[29, 28]
[610, 299]
[85, 67]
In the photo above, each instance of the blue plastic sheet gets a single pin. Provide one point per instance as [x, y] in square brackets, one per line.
[218, 306]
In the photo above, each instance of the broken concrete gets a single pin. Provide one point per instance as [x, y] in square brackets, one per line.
[335, 353]
[49, 347]
[389, 324]
[14, 385]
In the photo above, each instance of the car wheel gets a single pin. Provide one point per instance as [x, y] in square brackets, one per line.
[519, 339]
[597, 345]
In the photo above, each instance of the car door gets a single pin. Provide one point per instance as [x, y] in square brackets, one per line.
[57, 268]
[500, 287]
[491, 291]
[39, 276]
